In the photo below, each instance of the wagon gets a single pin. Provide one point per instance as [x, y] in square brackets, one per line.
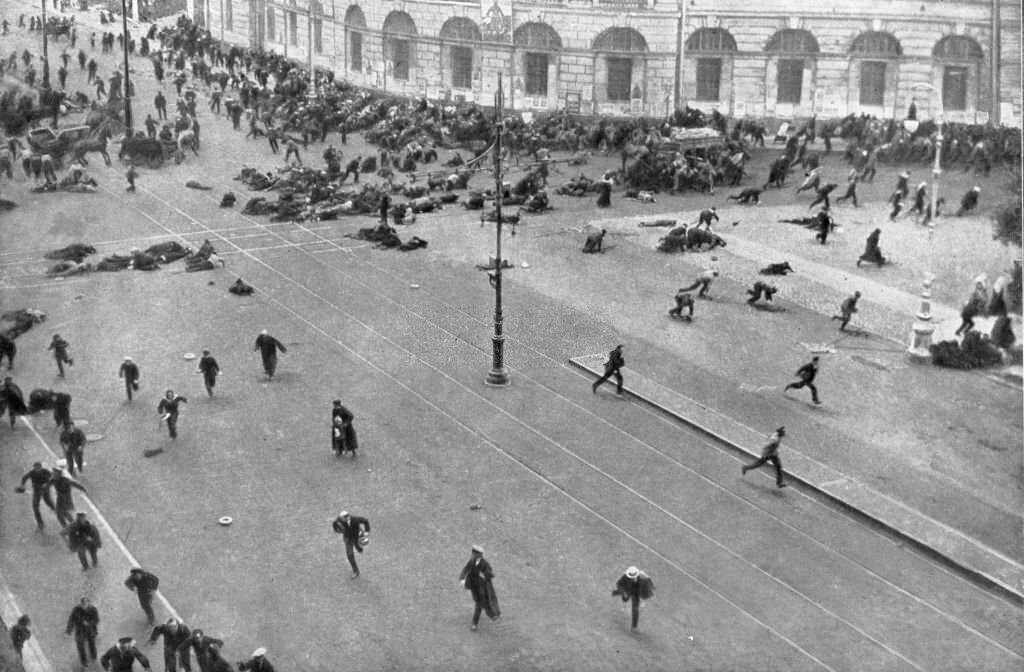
[148, 152]
[56, 143]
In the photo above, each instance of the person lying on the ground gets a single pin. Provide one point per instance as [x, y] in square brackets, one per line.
[168, 251]
[475, 201]
[64, 269]
[659, 223]
[240, 288]
[747, 195]
[779, 268]
[142, 261]
[73, 252]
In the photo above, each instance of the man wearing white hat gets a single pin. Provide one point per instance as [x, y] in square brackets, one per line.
[122, 657]
[258, 662]
[478, 578]
[130, 373]
[634, 585]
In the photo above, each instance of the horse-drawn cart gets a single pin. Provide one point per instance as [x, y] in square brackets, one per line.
[148, 152]
[56, 143]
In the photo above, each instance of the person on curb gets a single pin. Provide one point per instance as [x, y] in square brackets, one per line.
[144, 584]
[175, 633]
[168, 410]
[612, 367]
[21, 633]
[846, 310]
[268, 347]
[770, 453]
[84, 623]
[806, 375]
[210, 369]
[353, 530]
[40, 479]
[478, 578]
[83, 537]
[122, 657]
[634, 586]
[258, 662]
[129, 371]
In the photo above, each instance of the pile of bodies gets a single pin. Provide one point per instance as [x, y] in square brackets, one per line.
[72, 259]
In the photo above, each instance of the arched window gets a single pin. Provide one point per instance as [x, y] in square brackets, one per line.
[354, 23]
[876, 45]
[465, 33]
[621, 42]
[792, 46]
[876, 48]
[399, 29]
[792, 41]
[538, 40]
[709, 44]
[711, 39]
[956, 78]
[620, 39]
[957, 48]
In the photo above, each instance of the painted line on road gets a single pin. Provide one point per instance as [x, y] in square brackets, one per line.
[33, 657]
[103, 523]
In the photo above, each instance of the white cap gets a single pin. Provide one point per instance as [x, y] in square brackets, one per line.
[632, 572]
[342, 514]
[259, 653]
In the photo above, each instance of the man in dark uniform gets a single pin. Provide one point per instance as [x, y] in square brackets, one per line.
[122, 657]
[62, 487]
[144, 584]
[634, 586]
[60, 353]
[72, 439]
[806, 374]
[846, 309]
[770, 453]
[761, 288]
[210, 369]
[257, 663]
[61, 402]
[822, 195]
[168, 408]
[83, 537]
[268, 347]
[130, 372]
[84, 622]
[20, 631]
[160, 103]
[824, 225]
[478, 578]
[201, 644]
[13, 400]
[175, 633]
[351, 528]
[151, 125]
[613, 367]
[40, 479]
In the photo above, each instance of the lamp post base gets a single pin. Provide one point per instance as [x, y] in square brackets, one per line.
[498, 378]
[923, 328]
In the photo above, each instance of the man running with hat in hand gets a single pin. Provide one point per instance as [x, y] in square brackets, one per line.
[258, 662]
[770, 453]
[634, 586]
[478, 578]
[353, 530]
[122, 657]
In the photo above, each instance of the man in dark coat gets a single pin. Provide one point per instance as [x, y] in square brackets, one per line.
[12, 400]
[604, 187]
[83, 537]
[160, 103]
[683, 300]
[144, 584]
[122, 657]
[806, 374]
[175, 633]
[202, 645]
[168, 409]
[8, 349]
[343, 434]
[210, 369]
[824, 225]
[872, 252]
[594, 242]
[20, 631]
[60, 353]
[257, 663]
[613, 367]
[968, 202]
[129, 371]
[351, 528]
[770, 453]
[478, 578]
[61, 407]
[846, 309]
[268, 347]
[72, 439]
[62, 486]
[83, 623]
[634, 586]
[40, 479]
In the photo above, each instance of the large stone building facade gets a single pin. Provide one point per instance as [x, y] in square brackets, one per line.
[791, 59]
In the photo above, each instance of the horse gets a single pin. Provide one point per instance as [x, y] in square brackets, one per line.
[82, 147]
[188, 139]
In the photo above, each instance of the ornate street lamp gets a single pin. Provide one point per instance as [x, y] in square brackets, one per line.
[498, 375]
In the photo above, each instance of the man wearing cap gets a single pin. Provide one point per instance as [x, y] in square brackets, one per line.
[478, 578]
[62, 486]
[83, 536]
[258, 662]
[175, 633]
[343, 434]
[40, 479]
[351, 528]
[210, 369]
[806, 374]
[202, 645]
[72, 439]
[612, 367]
[268, 347]
[60, 353]
[144, 584]
[634, 586]
[168, 410]
[83, 622]
[12, 400]
[770, 453]
[130, 372]
[122, 657]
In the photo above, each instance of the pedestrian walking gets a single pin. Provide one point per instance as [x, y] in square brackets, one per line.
[355, 531]
[806, 375]
[40, 479]
[144, 584]
[202, 646]
[84, 624]
[703, 281]
[770, 453]
[272, 139]
[634, 586]
[62, 486]
[846, 310]
[168, 410]
[760, 289]
[60, 353]
[160, 104]
[129, 371]
[683, 300]
[343, 433]
[257, 663]
[72, 440]
[12, 399]
[478, 578]
[210, 369]
[122, 657]
[594, 242]
[268, 347]
[612, 367]
[21, 632]
[175, 633]
[83, 537]
[130, 175]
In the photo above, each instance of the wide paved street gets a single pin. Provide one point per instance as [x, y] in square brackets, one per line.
[564, 489]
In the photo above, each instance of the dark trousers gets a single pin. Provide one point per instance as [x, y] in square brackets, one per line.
[64, 511]
[350, 548]
[270, 365]
[74, 456]
[608, 374]
[171, 660]
[172, 425]
[851, 193]
[41, 494]
[61, 359]
[289, 152]
[703, 284]
[82, 550]
[481, 606]
[129, 387]
[209, 381]
[636, 611]
[146, 602]
[774, 459]
[805, 383]
[83, 641]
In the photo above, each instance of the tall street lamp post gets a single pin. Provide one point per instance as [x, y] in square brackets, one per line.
[46, 56]
[498, 375]
[124, 44]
